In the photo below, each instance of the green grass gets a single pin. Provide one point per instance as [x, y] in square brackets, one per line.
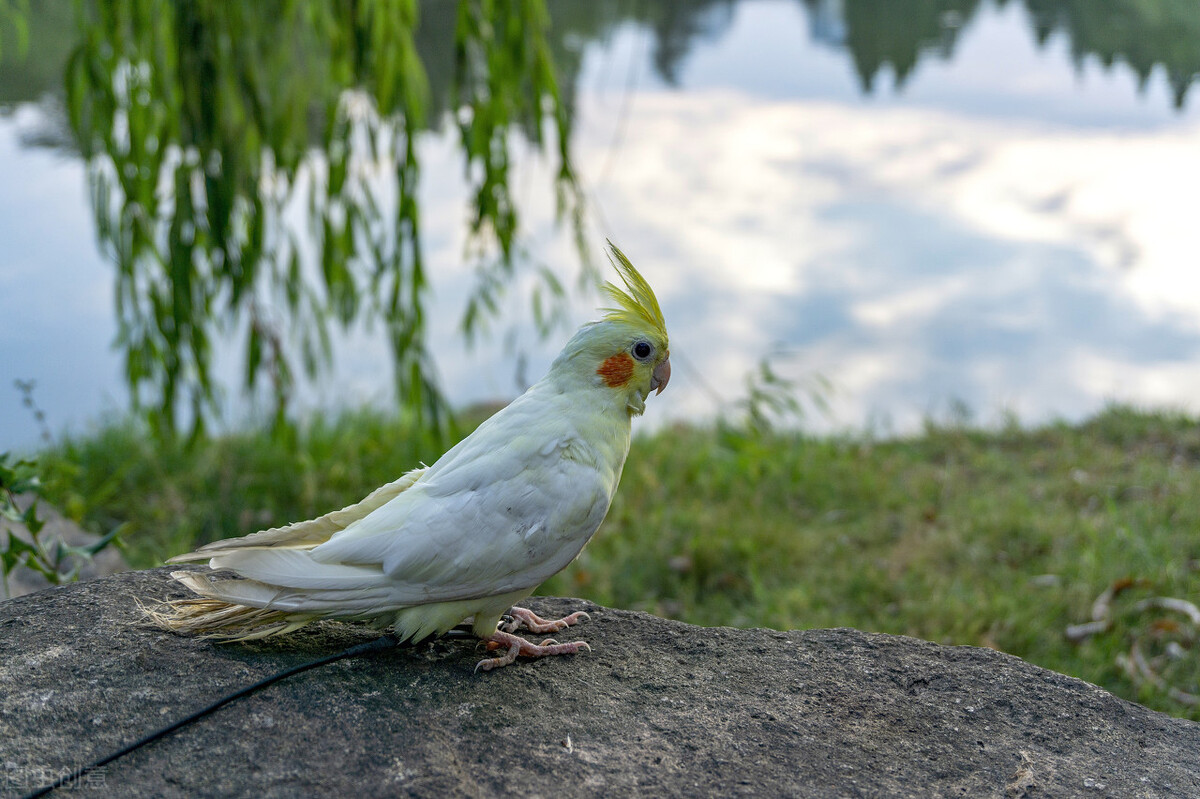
[961, 536]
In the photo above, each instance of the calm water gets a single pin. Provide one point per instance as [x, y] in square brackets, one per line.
[987, 221]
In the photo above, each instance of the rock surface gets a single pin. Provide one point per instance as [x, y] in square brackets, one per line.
[659, 708]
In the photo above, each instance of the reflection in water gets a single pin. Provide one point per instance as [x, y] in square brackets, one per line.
[880, 33]
[255, 175]
[913, 256]
[1144, 35]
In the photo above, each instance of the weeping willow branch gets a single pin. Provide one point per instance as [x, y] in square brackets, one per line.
[205, 124]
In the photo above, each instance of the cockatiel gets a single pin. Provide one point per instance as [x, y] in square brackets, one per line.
[480, 529]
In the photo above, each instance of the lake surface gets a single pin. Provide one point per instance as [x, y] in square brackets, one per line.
[976, 219]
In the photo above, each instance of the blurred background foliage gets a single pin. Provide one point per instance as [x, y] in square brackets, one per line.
[254, 168]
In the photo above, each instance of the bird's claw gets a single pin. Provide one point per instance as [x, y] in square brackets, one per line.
[524, 619]
[519, 646]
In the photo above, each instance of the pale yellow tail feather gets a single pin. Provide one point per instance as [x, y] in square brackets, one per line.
[214, 619]
[306, 534]
[210, 616]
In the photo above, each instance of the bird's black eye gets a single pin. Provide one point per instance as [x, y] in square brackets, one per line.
[642, 350]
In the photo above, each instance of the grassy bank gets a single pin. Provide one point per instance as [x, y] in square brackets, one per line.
[999, 539]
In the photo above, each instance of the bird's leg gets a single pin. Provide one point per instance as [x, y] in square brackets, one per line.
[525, 619]
[519, 646]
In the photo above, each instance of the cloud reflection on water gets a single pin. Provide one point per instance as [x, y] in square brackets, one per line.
[915, 256]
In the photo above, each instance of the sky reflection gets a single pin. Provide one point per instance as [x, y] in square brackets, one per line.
[913, 256]
[1009, 232]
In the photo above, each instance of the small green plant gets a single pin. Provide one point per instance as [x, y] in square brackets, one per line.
[774, 402]
[25, 388]
[58, 564]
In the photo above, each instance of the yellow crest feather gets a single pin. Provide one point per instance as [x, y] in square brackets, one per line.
[636, 304]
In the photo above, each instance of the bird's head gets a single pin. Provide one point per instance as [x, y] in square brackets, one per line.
[625, 353]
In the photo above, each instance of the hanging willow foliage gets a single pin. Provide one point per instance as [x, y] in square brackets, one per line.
[204, 121]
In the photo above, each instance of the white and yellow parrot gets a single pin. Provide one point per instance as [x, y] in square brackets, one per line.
[480, 529]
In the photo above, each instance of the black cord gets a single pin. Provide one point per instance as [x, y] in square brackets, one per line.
[378, 645]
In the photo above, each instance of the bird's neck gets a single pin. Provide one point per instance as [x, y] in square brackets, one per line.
[594, 413]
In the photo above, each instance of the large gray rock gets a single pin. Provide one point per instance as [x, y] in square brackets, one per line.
[659, 708]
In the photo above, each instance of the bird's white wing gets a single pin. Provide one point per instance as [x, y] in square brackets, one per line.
[492, 525]
[505, 509]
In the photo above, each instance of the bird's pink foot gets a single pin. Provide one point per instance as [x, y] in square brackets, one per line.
[518, 646]
[525, 619]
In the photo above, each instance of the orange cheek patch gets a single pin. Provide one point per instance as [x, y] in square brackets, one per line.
[616, 370]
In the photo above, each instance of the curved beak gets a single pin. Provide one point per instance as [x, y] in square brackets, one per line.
[661, 376]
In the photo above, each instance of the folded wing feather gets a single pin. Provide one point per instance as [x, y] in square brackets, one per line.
[310, 533]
